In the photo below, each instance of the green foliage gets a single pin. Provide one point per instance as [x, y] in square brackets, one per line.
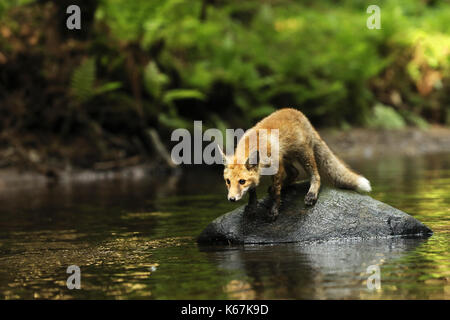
[320, 59]
[169, 117]
[252, 58]
[164, 63]
[154, 80]
[5, 5]
[180, 94]
[83, 82]
[385, 117]
[83, 78]
[107, 87]
[414, 119]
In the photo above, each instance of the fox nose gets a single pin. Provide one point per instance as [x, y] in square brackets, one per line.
[232, 199]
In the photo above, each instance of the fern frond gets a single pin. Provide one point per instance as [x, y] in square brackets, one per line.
[82, 82]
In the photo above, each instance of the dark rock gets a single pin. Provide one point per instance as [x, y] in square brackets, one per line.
[338, 214]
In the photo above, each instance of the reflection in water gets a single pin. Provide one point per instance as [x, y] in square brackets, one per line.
[136, 240]
[329, 270]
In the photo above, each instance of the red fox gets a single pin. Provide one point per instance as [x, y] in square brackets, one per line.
[298, 143]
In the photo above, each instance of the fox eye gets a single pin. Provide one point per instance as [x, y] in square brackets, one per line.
[228, 181]
[242, 181]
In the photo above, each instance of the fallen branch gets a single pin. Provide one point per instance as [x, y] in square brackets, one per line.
[159, 147]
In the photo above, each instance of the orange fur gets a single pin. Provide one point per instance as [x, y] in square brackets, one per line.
[298, 142]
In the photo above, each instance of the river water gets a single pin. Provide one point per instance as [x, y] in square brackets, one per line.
[136, 240]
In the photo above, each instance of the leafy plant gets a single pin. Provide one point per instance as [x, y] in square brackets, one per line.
[385, 117]
[83, 82]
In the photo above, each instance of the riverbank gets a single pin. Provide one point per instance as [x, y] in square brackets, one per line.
[350, 144]
[369, 143]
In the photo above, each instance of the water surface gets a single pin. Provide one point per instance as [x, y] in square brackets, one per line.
[136, 240]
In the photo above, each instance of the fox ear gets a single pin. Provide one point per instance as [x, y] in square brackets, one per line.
[252, 161]
[224, 156]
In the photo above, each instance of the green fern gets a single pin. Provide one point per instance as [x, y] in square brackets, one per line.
[82, 83]
[154, 80]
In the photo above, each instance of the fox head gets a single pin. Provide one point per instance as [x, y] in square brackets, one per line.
[239, 178]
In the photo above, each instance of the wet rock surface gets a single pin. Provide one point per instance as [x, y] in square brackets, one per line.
[338, 214]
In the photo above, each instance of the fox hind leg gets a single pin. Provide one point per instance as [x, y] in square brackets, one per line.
[307, 160]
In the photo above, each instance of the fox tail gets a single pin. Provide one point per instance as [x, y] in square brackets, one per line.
[338, 172]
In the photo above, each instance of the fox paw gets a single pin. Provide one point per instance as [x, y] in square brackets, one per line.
[310, 198]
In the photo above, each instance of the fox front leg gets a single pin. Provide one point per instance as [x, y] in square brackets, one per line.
[276, 193]
[252, 201]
